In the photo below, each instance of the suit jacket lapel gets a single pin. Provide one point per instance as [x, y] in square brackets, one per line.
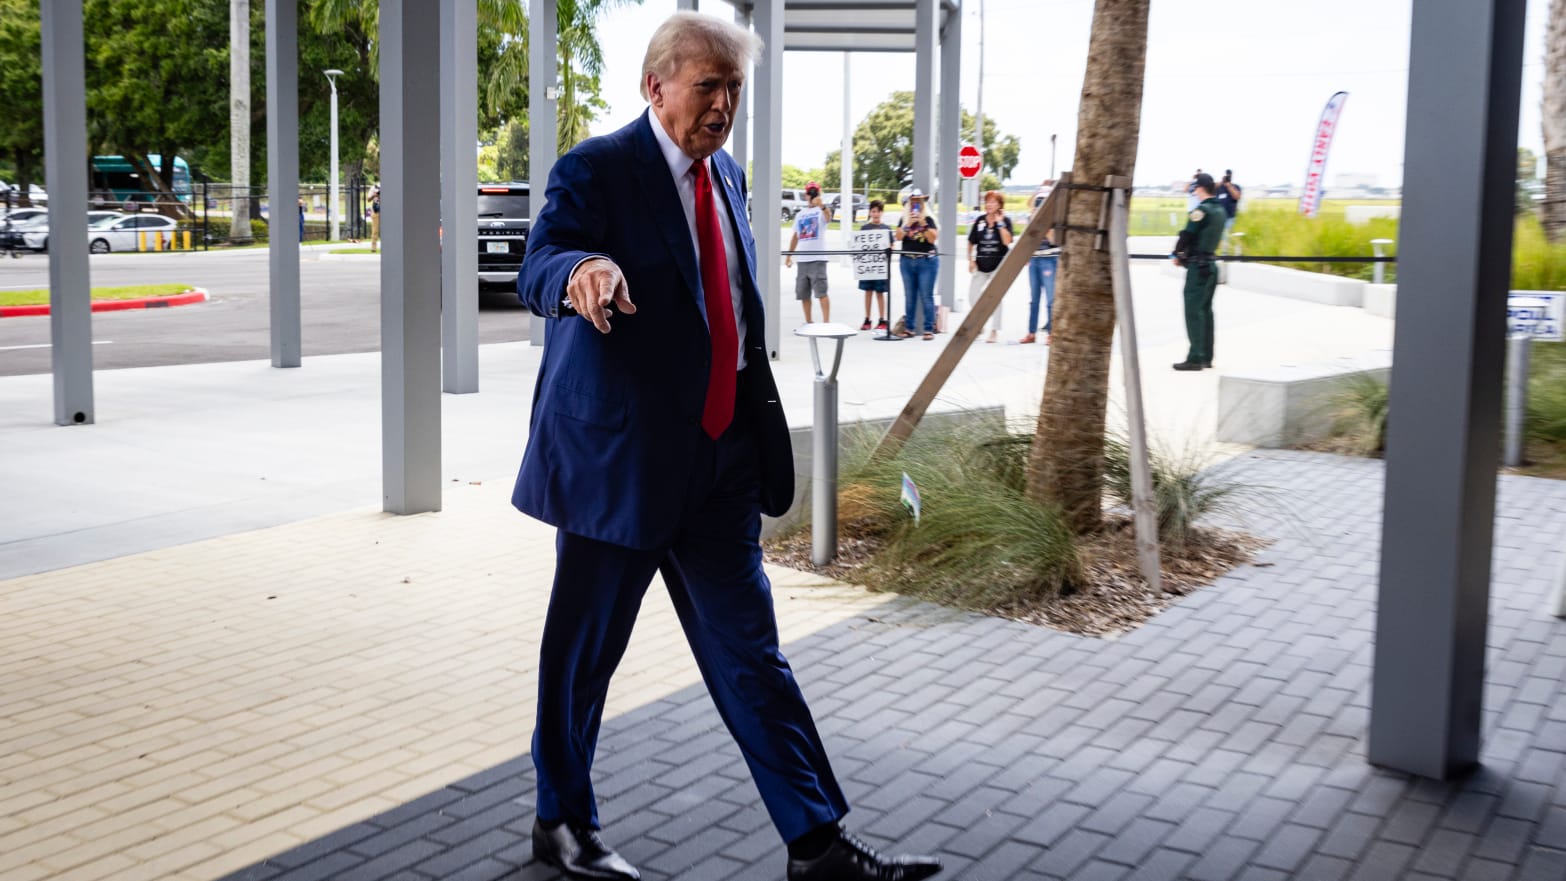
[663, 200]
[734, 199]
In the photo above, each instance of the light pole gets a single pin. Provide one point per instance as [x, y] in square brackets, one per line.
[331, 205]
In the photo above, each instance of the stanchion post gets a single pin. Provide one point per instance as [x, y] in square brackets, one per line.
[823, 445]
[1378, 274]
[1517, 352]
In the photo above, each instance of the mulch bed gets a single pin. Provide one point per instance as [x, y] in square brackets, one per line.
[1112, 600]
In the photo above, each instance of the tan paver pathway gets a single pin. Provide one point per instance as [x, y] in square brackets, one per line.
[182, 713]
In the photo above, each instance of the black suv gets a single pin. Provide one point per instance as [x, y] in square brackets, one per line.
[504, 217]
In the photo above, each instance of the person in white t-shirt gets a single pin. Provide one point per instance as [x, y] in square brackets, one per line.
[810, 239]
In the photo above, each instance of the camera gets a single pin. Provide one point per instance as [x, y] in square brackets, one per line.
[1227, 175]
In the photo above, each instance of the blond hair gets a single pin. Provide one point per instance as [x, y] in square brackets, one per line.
[684, 36]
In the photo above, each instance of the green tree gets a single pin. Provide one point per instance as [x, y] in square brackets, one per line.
[157, 80]
[883, 146]
[1001, 152]
[21, 92]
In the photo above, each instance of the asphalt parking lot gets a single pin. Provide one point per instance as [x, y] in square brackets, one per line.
[341, 311]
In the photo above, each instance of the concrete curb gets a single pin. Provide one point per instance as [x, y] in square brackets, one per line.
[194, 295]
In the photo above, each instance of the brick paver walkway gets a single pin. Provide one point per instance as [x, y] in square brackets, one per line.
[1221, 741]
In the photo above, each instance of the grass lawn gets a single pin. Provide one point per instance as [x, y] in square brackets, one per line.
[131, 292]
[352, 251]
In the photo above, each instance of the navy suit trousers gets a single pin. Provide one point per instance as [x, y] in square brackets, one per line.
[712, 568]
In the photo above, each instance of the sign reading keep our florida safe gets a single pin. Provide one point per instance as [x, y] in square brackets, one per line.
[1540, 314]
[872, 254]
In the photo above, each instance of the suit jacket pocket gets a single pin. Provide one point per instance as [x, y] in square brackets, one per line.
[588, 407]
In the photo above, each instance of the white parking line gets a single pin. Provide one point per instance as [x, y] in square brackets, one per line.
[47, 345]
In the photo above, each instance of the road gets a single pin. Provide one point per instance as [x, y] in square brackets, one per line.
[341, 311]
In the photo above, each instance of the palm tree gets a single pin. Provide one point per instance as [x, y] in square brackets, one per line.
[1066, 461]
[1554, 124]
[239, 119]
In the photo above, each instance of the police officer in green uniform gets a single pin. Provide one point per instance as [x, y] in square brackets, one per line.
[1195, 250]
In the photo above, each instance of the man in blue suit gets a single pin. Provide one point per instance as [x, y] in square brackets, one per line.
[657, 442]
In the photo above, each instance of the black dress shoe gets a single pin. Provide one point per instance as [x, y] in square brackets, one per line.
[1188, 365]
[849, 859]
[580, 853]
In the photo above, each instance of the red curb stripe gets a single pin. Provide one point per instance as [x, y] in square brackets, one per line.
[194, 295]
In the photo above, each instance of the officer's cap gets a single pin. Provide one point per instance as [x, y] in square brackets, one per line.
[1205, 181]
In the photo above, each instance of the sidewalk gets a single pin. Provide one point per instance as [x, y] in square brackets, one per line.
[222, 650]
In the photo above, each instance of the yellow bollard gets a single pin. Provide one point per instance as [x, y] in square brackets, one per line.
[187, 240]
[141, 241]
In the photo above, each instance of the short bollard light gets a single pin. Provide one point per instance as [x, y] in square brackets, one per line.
[823, 445]
[1378, 274]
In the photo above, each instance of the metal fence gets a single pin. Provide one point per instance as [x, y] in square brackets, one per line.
[204, 217]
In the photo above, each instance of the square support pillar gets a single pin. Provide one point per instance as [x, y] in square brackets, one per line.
[767, 181]
[459, 196]
[925, 21]
[65, 153]
[1465, 75]
[543, 131]
[946, 153]
[410, 260]
[282, 160]
[739, 142]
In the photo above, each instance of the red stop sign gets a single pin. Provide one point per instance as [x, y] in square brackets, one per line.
[969, 161]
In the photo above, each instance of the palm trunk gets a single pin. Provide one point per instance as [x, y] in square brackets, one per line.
[239, 117]
[1066, 461]
[1553, 210]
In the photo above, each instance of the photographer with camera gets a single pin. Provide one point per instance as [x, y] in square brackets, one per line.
[920, 263]
[1195, 250]
[1229, 197]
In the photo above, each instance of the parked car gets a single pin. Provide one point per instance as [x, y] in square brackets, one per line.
[794, 201]
[34, 192]
[861, 204]
[19, 215]
[504, 218]
[34, 234]
[122, 233]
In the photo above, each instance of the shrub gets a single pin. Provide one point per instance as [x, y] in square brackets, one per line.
[979, 544]
[1547, 393]
[1275, 229]
[1184, 486]
[1361, 411]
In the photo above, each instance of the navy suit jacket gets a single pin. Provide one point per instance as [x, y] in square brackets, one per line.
[616, 417]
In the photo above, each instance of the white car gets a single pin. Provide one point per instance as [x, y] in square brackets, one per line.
[35, 233]
[122, 233]
[18, 216]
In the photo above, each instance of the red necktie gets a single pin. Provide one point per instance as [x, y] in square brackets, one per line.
[719, 409]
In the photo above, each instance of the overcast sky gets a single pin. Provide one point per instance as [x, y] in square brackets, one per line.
[1230, 83]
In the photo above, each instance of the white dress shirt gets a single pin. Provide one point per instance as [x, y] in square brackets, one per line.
[685, 183]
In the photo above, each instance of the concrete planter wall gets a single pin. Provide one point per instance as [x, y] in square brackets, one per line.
[1381, 299]
[1314, 287]
[1290, 404]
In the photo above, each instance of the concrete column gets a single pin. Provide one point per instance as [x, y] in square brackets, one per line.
[1465, 75]
[767, 181]
[282, 160]
[543, 101]
[459, 196]
[948, 145]
[924, 95]
[65, 154]
[846, 166]
[739, 141]
[410, 260]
